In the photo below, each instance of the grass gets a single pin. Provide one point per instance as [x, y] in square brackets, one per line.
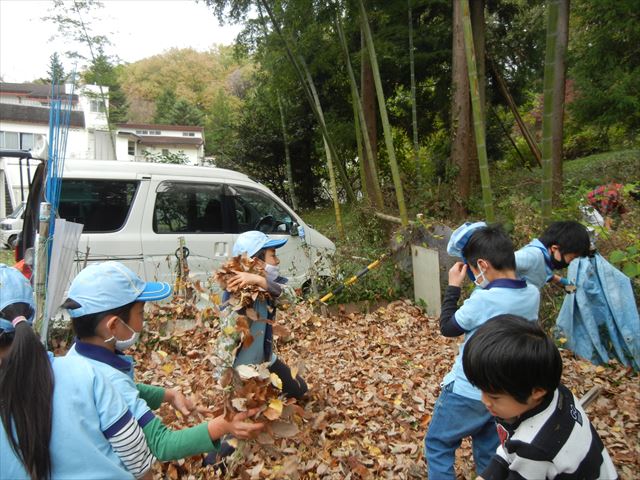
[6, 257]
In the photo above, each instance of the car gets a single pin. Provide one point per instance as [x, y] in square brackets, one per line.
[138, 212]
[11, 227]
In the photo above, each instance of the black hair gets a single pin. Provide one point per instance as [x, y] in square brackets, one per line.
[26, 395]
[569, 236]
[261, 254]
[18, 309]
[492, 244]
[511, 355]
[85, 326]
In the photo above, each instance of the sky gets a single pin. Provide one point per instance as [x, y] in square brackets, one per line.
[139, 29]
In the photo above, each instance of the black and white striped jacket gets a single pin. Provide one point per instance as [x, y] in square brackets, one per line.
[554, 440]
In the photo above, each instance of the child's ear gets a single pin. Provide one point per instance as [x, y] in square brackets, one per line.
[484, 264]
[538, 393]
[110, 322]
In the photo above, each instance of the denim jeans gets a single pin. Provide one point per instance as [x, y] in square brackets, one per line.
[455, 417]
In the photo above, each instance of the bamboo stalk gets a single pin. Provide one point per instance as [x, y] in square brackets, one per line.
[332, 175]
[287, 155]
[548, 111]
[301, 77]
[478, 114]
[414, 110]
[377, 192]
[526, 134]
[388, 138]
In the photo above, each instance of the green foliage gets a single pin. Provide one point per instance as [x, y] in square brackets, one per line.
[103, 71]
[56, 70]
[605, 63]
[179, 158]
[628, 260]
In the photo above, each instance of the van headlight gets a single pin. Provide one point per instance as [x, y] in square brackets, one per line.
[5, 226]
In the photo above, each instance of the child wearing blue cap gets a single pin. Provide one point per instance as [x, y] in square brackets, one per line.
[557, 247]
[256, 244]
[106, 305]
[53, 408]
[488, 257]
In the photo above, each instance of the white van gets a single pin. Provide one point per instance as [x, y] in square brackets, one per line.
[11, 227]
[135, 213]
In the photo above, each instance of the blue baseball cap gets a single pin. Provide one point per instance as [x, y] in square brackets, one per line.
[14, 288]
[110, 285]
[459, 239]
[253, 241]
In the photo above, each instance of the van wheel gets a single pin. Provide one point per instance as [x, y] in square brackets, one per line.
[11, 243]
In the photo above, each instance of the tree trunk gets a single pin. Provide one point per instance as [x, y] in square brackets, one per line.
[560, 67]
[388, 138]
[369, 108]
[478, 111]
[287, 156]
[460, 116]
[414, 110]
[548, 111]
[371, 184]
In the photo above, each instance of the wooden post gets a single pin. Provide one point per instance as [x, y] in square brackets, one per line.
[41, 262]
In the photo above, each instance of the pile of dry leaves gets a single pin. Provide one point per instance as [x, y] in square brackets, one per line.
[374, 379]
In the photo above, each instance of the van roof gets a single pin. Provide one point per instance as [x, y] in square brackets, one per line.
[120, 169]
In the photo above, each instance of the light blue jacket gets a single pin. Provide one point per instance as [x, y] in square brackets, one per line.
[600, 320]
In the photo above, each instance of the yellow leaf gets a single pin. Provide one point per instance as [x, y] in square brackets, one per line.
[375, 451]
[275, 381]
[168, 368]
[600, 369]
[228, 330]
[162, 353]
[232, 441]
[562, 340]
[398, 400]
[276, 404]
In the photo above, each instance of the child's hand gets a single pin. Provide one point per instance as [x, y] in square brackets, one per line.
[218, 427]
[243, 279]
[179, 401]
[457, 274]
[241, 429]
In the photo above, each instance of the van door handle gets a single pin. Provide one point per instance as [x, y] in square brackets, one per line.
[220, 249]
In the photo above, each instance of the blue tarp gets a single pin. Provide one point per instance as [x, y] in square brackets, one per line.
[600, 320]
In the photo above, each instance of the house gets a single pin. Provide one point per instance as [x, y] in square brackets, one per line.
[24, 116]
[140, 141]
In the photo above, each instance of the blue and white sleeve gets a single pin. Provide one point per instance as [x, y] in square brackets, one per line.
[466, 317]
[120, 427]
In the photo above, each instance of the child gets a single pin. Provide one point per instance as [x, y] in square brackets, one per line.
[543, 430]
[54, 408]
[458, 412]
[106, 304]
[560, 243]
[258, 245]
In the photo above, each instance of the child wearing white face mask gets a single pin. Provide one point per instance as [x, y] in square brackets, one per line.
[256, 244]
[106, 305]
[488, 258]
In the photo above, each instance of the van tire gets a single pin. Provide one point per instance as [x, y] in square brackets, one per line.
[11, 242]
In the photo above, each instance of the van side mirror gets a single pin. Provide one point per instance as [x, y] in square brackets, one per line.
[294, 229]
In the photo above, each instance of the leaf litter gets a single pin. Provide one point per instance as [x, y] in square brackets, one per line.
[373, 380]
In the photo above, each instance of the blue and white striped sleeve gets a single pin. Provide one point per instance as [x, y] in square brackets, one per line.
[121, 428]
[129, 443]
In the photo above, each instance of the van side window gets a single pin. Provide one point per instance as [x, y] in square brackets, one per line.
[188, 208]
[256, 210]
[100, 205]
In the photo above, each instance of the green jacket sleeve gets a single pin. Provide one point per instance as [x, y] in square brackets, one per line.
[151, 394]
[167, 444]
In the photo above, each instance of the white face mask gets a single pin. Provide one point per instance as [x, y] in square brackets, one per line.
[124, 344]
[272, 272]
[481, 283]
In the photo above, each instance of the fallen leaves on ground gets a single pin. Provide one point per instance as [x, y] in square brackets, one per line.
[374, 379]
